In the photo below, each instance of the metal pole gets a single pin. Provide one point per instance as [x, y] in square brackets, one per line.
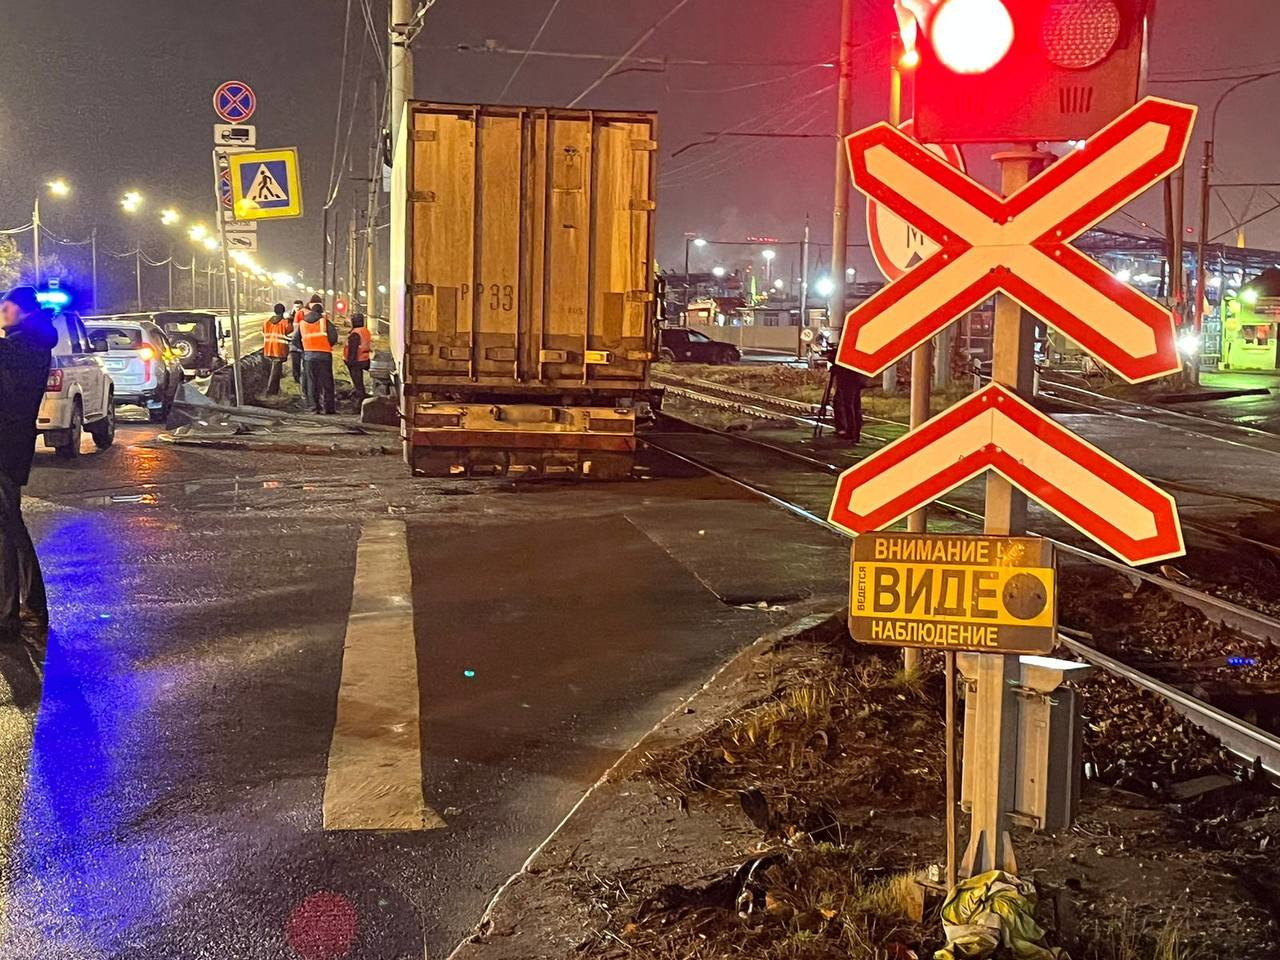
[93, 254]
[687, 241]
[232, 304]
[1201, 273]
[804, 287]
[840, 215]
[35, 238]
[170, 276]
[400, 63]
[996, 714]
[890, 380]
[137, 273]
[951, 779]
[371, 215]
[193, 281]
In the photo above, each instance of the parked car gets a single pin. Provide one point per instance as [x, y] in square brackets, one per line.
[141, 362]
[80, 394]
[196, 338]
[681, 345]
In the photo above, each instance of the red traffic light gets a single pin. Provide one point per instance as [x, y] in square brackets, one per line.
[971, 36]
[996, 71]
[341, 306]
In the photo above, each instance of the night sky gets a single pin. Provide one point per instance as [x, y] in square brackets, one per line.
[115, 94]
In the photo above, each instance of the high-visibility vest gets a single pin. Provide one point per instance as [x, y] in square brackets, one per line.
[315, 337]
[365, 350]
[275, 335]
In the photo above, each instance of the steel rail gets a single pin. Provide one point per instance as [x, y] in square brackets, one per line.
[1250, 743]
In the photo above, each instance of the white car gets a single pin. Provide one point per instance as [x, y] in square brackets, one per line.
[80, 395]
[141, 361]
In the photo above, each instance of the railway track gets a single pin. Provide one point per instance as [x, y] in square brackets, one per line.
[1082, 398]
[1253, 746]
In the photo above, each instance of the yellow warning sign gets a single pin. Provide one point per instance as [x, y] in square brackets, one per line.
[264, 184]
[992, 594]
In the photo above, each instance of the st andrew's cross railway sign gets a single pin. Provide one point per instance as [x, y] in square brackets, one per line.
[994, 429]
[1020, 244]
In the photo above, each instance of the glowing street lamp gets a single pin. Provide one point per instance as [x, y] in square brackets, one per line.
[210, 243]
[769, 256]
[718, 272]
[131, 202]
[57, 188]
[169, 216]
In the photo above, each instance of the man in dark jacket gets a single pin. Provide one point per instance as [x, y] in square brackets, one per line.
[25, 355]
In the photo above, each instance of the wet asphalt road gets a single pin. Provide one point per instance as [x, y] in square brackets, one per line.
[165, 801]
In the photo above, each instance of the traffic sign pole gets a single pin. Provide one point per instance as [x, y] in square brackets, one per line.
[231, 284]
[996, 741]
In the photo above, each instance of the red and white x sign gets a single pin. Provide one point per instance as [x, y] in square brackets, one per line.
[1020, 244]
[996, 430]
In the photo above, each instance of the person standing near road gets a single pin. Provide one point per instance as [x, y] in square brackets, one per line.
[357, 353]
[848, 402]
[275, 347]
[295, 352]
[25, 356]
[317, 336]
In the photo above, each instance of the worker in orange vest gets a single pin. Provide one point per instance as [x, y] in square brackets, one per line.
[296, 317]
[275, 346]
[317, 336]
[357, 353]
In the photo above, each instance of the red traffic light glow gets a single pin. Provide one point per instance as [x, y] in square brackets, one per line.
[971, 36]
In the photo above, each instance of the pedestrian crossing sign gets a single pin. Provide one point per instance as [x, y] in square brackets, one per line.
[265, 185]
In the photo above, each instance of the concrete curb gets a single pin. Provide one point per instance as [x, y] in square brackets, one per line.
[815, 625]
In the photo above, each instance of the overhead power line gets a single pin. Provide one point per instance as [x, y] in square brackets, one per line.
[533, 45]
[650, 61]
[640, 42]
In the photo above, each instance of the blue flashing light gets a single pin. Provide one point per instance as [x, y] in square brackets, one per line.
[1242, 661]
[55, 299]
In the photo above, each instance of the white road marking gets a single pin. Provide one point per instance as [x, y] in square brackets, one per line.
[374, 779]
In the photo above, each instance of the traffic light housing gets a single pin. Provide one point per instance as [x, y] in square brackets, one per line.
[991, 71]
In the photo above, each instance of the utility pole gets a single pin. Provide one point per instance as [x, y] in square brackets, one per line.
[137, 274]
[35, 238]
[353, 281]
[400, 62]
[193, 281]
[371, 214]
[170, 276]
[804, 285]
[840, 217]
[890, 382]
[1206, 169]
[93, 255]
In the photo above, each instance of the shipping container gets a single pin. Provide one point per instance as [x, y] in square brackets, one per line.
[523, 304]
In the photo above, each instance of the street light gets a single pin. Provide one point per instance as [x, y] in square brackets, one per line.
[131, 202]
[698, 242]
[56, 188]
[209, 243]
[198, 232]
[169, 216]
[718, 272]
[769, 256]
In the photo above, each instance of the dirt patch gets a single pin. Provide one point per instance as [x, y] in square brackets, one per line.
[786, 813]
